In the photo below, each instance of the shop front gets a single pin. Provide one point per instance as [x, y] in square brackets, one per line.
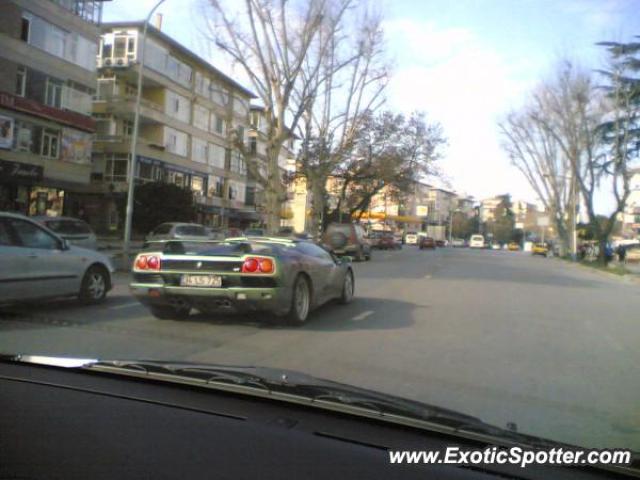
[17, 181]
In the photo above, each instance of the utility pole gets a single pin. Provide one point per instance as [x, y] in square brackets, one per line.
[134, 138]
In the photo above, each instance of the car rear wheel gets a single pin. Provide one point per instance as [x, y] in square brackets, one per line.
[94, 285]
[168, 312]
[300, 301]
[347, 288]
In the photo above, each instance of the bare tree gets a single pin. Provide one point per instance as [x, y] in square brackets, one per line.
[592, 129]
[349, 89]
[536, 153]
[281, 46]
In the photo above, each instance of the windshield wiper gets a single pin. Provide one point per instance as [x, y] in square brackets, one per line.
[274, 382]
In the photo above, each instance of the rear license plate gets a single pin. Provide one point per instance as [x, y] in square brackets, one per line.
[201, 281]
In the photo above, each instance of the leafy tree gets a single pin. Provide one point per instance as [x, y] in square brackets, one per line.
[390, 150]
[157, 203]
[502, 227]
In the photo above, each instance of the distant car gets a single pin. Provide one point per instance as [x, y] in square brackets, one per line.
[495, 246]
[388, 241]
[632, 253]
[427, 242]
[347, 239]
[476, 241]
[540, 249]
[75, 231]
[513, 247]
[178, 231]
[457, 243]
[286, 277]
[411, 238]
[441, 243]
[36, 263]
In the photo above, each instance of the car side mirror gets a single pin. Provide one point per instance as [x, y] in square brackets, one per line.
[64, 244]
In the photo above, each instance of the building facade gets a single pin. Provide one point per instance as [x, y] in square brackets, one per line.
[48, 61]
[631, 214]
[257, 149]
[190, 112]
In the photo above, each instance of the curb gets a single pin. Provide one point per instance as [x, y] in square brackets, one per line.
[626, 278]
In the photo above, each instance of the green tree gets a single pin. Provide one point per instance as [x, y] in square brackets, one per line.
[503, 226]
[157, 203]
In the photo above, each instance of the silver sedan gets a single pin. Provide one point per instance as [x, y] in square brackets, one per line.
[36, 263]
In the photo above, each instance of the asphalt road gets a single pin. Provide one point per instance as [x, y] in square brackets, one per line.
[500, 335]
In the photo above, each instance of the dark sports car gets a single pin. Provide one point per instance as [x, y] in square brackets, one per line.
[287, 277]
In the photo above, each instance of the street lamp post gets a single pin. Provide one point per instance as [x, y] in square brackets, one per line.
[134, 137]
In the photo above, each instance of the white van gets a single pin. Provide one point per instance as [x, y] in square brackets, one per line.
[476, 241]
[411, 238]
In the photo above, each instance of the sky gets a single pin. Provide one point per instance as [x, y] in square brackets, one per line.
[465, 63]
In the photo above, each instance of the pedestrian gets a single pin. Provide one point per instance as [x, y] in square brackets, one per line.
[622, 253]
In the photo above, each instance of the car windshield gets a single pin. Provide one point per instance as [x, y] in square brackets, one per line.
[437, 200]
[68, 227]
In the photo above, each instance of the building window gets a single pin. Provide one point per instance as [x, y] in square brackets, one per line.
[21, 81]
[50, 143]
[53, 95]
[177, 178]
[197, 184]
[25, 28]
[127, 128]
[253, 145]
[116, 168]
[146, 171]
[219, 124]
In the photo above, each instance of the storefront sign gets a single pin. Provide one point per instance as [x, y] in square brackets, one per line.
[73, 119]
[19, 171]
[76, 146]
[6, 132]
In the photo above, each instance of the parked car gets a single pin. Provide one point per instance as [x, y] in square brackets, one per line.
[255, 232]
[441, 243]
[36, 263]
[388, 241]
[374, 239]
[458, 243]
[513, 247]
[286, 277]
[495, 246]
[427, 242]
[73, 230]
[540, 249]
[411, 238]
[476, 241]
[178, 231]
[347, 239]
[215, 233]
[632, 253]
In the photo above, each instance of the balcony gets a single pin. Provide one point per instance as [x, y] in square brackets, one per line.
[76, 100]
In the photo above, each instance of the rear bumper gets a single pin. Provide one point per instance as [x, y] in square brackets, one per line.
[242, 299]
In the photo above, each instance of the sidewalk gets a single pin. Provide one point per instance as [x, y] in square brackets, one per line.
[113, 247]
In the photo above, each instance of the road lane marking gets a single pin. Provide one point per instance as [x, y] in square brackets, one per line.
[125, 305]
[363, 315]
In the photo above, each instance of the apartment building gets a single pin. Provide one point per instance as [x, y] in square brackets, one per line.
[48, 63]
[189, 111]
[631, 215]
[257, 149]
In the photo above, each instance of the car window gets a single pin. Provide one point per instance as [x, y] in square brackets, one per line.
[5, 235]
[194, 230]
[342, 228]
[313, 250]
[32, 236]
[162, 229]
[68, 227]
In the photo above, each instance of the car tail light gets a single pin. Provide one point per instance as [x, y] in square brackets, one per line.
[147, 262]
[258, 265]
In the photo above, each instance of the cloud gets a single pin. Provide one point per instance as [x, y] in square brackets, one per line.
[467, 86]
